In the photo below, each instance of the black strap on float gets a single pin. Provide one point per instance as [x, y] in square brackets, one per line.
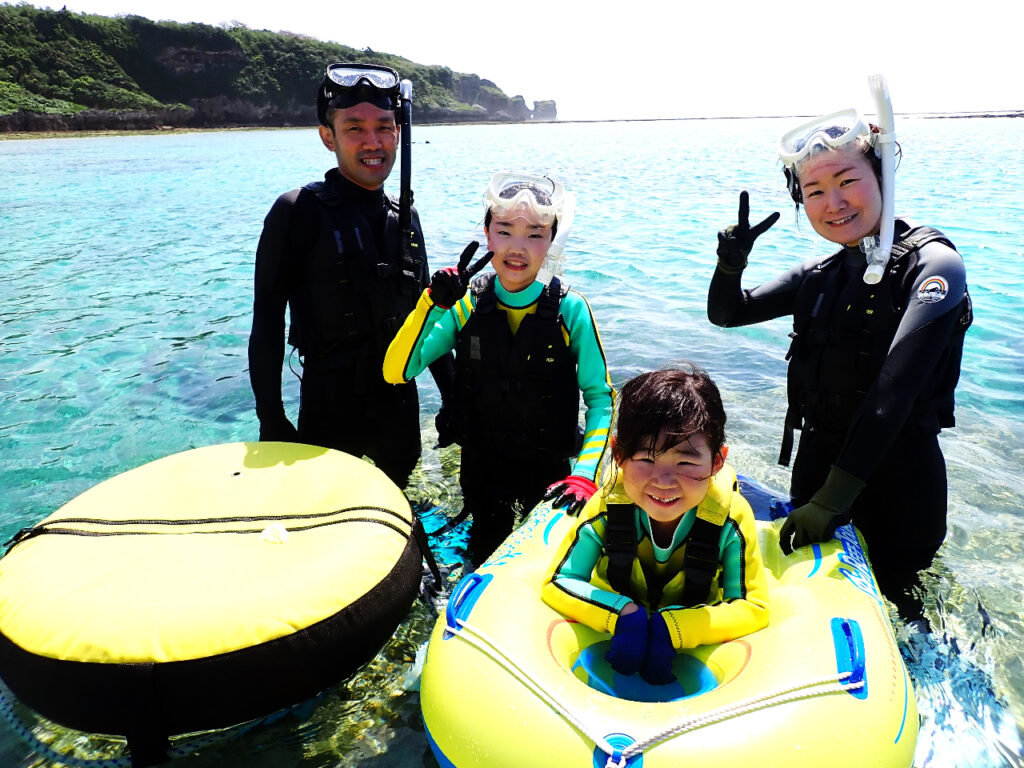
[148, 749]
[700, 561]
[620, 545]
[452, 524]
[421, 539]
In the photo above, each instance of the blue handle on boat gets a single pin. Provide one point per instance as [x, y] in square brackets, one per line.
[463, 598]
[849, 646]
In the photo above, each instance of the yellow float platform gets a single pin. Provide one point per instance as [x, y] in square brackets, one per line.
[509, 682]
[205, 589]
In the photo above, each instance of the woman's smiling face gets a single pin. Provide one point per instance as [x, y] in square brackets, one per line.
[842, 197]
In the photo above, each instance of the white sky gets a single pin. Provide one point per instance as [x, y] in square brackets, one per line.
[668, 58]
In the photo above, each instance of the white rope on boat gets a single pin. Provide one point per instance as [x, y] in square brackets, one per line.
[823, 686]
[483, 643]
[809, 689]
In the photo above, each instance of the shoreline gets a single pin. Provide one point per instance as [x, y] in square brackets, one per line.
[163, 130]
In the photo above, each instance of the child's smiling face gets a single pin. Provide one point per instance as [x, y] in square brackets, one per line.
[519, 247]
[667, 481]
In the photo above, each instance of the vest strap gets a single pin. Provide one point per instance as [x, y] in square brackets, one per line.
[792, 422]
[700, 562]
[620, 545]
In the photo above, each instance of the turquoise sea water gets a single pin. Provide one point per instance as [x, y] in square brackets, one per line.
[125, 299]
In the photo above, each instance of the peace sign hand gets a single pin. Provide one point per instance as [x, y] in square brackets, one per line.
[736, 241]
[466, 257]
[448, 285]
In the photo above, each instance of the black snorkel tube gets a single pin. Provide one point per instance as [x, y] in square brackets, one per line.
[405, 196]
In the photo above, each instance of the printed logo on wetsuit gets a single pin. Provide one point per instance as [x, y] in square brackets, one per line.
[933, 290]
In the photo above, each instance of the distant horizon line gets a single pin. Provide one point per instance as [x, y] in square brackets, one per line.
[927, 114]
[992, 113]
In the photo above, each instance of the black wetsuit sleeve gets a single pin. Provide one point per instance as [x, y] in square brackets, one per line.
[921, 340]
[730, 305]
[443, 369]
[272, 285]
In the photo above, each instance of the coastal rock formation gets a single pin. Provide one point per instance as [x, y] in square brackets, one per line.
[545, 110]
[195, 61]
[84, 72]
[97, 120]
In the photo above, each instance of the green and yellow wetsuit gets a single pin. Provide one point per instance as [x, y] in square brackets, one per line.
[517, 395]
[429, 332]
[578, 587]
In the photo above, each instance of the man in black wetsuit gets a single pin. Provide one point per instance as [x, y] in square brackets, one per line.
[333, 252]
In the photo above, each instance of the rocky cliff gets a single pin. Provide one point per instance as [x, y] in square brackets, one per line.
[67, 71]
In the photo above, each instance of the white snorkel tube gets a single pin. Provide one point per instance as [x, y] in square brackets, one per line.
[877, 249]
[554, 262]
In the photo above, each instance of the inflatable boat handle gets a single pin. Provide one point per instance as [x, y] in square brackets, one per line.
[849, 647]
[463, 598]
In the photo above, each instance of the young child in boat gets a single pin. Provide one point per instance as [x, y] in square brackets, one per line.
[525, 348]
[666, 558]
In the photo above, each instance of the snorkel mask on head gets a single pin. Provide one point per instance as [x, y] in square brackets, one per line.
[838, 130]
[539, 199]
[346, 85]
[828, 132]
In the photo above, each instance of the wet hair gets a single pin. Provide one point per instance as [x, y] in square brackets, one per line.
[512, 190]
[863, 144]
[680, 401]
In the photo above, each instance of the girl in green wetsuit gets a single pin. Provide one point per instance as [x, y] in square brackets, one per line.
[526, 349]
[667, 559]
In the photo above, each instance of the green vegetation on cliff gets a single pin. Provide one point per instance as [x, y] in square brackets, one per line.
[60, 69]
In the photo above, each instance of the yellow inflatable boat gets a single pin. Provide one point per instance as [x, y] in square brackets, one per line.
[509, 682]
[205, 589]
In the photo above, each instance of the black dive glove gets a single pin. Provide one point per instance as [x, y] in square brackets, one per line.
[448, 285]
[736, 241]
[818, 519]
[277, 428]
[571, 494]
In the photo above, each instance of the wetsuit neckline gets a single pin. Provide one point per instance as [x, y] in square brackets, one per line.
[358, 195]
[519, 299]
[683, 527]
[852, 253]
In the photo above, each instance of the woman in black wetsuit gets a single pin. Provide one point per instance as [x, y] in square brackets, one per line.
[872, 366]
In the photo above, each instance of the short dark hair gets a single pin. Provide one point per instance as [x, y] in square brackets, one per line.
[681, 400]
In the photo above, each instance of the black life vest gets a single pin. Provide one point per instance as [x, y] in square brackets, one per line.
[517, 393]
[842, 332]
[700, 560]
[355, 287]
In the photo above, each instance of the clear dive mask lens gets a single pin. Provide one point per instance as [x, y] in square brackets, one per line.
[513, 195]
[351, 75]
[346, 85]
[831, 131]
